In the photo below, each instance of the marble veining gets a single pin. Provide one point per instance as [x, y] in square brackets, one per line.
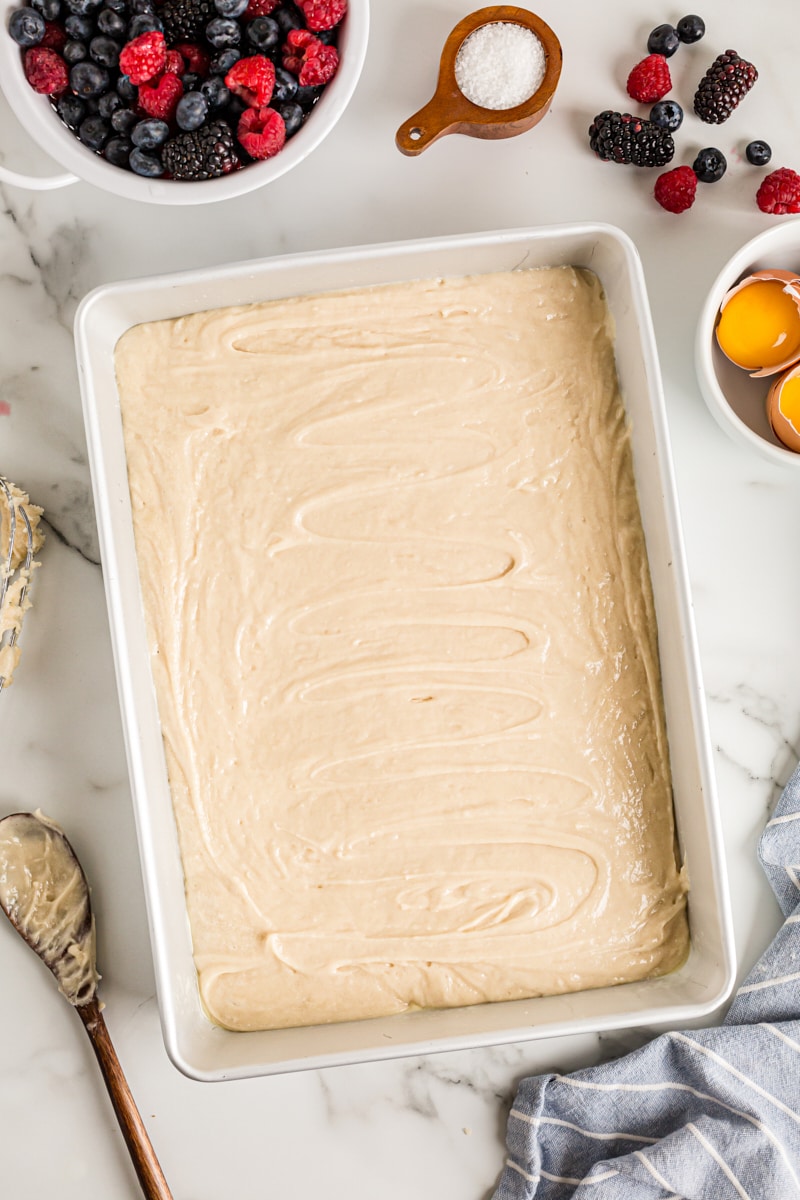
[429, 1127]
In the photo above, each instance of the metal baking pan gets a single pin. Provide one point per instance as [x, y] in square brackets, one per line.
[197, 1047]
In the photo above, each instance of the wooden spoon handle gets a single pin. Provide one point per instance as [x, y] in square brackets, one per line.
[151, 1177]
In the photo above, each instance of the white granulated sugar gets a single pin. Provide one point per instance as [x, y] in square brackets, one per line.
[500, 65]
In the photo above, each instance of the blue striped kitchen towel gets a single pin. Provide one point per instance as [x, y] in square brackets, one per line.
[701, 1115]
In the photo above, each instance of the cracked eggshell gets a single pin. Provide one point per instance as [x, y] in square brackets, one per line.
[785, 429]
[792, 288]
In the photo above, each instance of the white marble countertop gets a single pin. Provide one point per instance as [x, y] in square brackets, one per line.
[419, 1128]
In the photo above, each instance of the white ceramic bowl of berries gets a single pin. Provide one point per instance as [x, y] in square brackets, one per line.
[178, 101]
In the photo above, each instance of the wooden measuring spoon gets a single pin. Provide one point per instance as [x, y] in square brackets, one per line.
[449, 111]
[44, 894]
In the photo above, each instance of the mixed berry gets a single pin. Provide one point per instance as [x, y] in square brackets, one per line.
[625, 138]
[180, 89]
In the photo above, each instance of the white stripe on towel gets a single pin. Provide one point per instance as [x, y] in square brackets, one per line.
[660, 1180]
[723, 1062]
[783, 820]
[601, 1137]
[765, 983]
[585, 1182]
[780, 1034]
[718, 1159]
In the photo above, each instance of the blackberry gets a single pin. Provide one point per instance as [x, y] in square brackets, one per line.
[185, 20]
[724, 85]
[202, 154]
[622, 138]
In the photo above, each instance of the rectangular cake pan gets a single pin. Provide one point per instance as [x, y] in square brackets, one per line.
[200, 1049]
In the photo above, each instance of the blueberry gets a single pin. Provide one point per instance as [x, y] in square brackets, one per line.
[104, 50]
[117, 151]
[293, 116]
[79, 28]
[108, 104]
[230, 8]
[306, 97]
[758, 153]
[236, 107]
[285, 85]
[112, 23]
[690, 29]
[264, 34]
[89, 79]
[118, 6]
[667, 114]
[215, 91]
[50, 9]
[222, 33]
[142, 6]
[289, 18]
[192, 111]
[329, 37]
[71, 109]
[74, 52]
[149, 133]
[93, 132]
[144, 23]
[26, 26]
[663, 40]
[222, 63]
[127, 90]
[82, 8]
[190, 81]
[145, 164]
[123, 119]
[710, 165]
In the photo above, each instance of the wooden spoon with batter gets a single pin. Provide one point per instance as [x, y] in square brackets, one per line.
[44, 894]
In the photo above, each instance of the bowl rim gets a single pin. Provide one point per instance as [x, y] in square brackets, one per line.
[34, 113]
[742, 261]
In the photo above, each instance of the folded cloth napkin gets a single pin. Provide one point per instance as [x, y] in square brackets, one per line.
[699, 1115]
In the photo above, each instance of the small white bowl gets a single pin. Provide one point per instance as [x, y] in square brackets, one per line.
[36, 115]
[738, 402]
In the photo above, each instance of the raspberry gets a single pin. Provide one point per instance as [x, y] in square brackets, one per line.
[322, 14]
[779, 192]
[253, 80]
[161, 99]
[261, 131]
[174, 63]
[309, 59]
[650, 79]
[144, 57]
[675, 190]
[260, 8]
[55, 37]
[196, 58]
[46, 71]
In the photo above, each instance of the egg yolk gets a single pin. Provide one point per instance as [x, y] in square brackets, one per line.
[760, 325]
[789, 401]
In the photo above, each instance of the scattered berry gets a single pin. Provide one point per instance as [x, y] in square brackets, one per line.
[50, 9]
[262, 132]
[668, 114]
[222, 33]
[160, 98]
[230, 8]
[144, 57]
[623, 138]
[144, 23]
[710, 165]
[253, 79]
[285, 85]
[758, 153]
[26, 26]
[663, 40]
[649, 80]
[94, 132]
[204, 154]
[74, 52]
[104, 50]
[71, 109]
[191, 111]
[675, 190]
[117, 151]
[322, 14]
[88, 79]
[293, 116]
[779, 192]
[724, 85]
[112, 23]
[264, 34]
[145, 164]
[215, 92]
[46, 71]
[690, 29]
